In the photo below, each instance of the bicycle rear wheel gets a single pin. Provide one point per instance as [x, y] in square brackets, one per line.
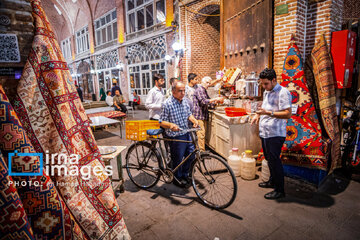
[213, 181]
[142, 165]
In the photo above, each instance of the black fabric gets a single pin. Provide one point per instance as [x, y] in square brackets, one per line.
[272, 150]
[122, 108]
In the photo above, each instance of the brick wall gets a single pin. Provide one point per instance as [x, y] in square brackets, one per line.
[205, 41]
[351, 10]
[200, 36]
[307, 20]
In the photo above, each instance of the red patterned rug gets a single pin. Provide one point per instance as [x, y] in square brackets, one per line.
[109, 114]
[304, 144]
[55, 122]
[321, 63]
[47, 214]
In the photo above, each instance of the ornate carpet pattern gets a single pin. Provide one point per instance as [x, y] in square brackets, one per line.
[321, 63]
[14, 223]
[109, 114]
[304, 144]
[55, 122]
[47, 213]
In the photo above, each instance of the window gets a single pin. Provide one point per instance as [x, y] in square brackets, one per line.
[160, 11]
[82, 40]
[66, 48]
[142, 14]
[106, 28]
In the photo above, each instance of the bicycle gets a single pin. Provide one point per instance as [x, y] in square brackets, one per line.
[211, 177]
[351, 147]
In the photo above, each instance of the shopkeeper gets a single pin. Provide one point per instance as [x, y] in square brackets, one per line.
[273, 115]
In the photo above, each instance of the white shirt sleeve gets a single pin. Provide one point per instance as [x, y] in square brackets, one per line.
[151, 101]
[284, 99]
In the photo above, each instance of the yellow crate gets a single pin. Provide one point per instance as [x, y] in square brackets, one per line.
[136, 130]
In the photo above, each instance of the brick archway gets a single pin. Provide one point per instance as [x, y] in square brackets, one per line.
[201, 39]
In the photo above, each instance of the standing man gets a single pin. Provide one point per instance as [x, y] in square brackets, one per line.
[155, 97]
[169, 90]
[175, 115]
[190, 88]
[273, 115]
[114, 88]
[80, 92]
[118, 102]
[202, 102]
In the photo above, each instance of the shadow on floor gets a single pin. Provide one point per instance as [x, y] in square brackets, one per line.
[175, 194]
[307, 194]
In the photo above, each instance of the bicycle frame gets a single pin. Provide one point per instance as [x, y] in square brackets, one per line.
[162, 154]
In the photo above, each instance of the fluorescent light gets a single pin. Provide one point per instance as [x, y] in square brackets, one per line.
[176, 46]
[57, 9]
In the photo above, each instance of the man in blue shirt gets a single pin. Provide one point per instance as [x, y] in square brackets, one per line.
[114, 88]
[272, 118]
[175, 115]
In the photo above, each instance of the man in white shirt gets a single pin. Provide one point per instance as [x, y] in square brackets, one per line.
[155, 97]
[109, 99]
[272, 119]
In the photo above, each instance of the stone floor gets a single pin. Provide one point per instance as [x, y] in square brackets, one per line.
[167, 212]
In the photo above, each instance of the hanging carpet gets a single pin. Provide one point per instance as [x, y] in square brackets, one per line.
[321, 63]
[304, 145]
[55, 122]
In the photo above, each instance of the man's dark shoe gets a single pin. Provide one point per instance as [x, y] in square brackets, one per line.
[267, 184]
[180, 183]
[274, 195]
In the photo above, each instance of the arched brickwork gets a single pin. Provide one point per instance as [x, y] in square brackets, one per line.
[201, 38]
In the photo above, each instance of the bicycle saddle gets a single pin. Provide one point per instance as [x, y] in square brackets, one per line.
[153, 132]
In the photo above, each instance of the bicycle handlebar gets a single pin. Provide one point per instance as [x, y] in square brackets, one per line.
[190, 129]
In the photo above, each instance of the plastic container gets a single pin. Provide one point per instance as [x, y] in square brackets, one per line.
[234, 161]
[248, 166]
[235, 112]
[136, 130]
[265, 171]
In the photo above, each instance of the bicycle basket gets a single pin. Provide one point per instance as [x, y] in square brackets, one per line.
[136, 130]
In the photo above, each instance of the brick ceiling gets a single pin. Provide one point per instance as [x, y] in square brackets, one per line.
[75, 14]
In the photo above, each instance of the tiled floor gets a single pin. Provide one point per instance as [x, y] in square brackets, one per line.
[167, 212]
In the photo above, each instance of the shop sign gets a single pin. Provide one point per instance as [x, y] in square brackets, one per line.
[282, 9]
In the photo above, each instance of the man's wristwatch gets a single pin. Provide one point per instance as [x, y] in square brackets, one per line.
[272, 113]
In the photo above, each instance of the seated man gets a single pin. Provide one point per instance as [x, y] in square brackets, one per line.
[109, 99]
[175, 114]
[135, 101]
[118, 102]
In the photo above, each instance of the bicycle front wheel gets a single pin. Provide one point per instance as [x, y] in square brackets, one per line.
[213, 181]
[142, 165]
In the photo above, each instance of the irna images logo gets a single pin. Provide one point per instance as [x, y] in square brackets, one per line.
[26, 167]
